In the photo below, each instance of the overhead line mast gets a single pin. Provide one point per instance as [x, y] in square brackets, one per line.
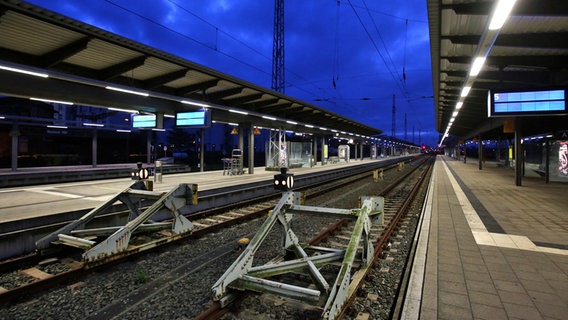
[278, 48]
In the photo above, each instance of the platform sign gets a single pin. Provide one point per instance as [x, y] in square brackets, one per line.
[194, 119]
[144, 121]
[527, 103]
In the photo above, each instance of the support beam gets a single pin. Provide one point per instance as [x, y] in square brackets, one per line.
[15, 133]
[251, 150]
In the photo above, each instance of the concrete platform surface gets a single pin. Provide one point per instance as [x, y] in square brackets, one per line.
[488, 249]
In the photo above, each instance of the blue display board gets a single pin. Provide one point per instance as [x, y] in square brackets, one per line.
[194, 119]
[143, 120]
[527, 103]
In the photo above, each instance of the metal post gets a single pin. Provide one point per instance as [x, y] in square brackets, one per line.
[315, 150]
[361, 150]
[15, 143]
[322, 147]
[355, 147]
[547, 162]
[94, 147]
[241, 137]
[518, 153]
[480, 152]
[148, 146]
[251, 150]
[202, 150]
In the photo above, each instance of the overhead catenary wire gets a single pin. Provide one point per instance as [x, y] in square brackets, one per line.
[218, 50]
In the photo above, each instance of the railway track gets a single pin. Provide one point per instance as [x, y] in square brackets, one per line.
[33, 273]
[398, 197]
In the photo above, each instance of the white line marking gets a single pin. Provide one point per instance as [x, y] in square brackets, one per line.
[56, 193]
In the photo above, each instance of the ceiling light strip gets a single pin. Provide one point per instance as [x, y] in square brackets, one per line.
[138, 93]
[52, 101]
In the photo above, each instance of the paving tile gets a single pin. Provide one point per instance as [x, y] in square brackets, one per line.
[478, 276]
[428, 313]
[453, 287]
[451, 276]
[500, 275]
[528, 275]
[472, 260]
[547, 298]
[452, 312]
[556, 276]
[509, 286]
[504, 267]
[553, 311]
[451, 298]
[535, 285]
[558, 285]
[447, 267]
[483, 311]
[486, 287]
[475, 267]
[478, 297]
[522, 312]
[515, 298]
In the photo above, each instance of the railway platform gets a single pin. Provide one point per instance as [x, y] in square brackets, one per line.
[28, 213]
[488, 249]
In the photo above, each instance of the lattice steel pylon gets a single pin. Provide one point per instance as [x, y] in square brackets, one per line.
[278, 48]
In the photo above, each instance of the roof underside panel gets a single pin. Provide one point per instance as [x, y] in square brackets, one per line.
[531, 51]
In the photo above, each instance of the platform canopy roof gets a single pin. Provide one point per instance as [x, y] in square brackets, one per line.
[82, 60]
[529, 52]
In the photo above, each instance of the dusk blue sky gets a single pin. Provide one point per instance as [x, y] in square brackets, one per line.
[362, 45]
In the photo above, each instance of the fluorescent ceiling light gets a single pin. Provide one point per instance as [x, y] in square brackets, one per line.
[322, 128]
[269, 118]
[52, 101]
[459, 105]
[501, 14]
[455, 114]
[237, 111]
[120, 130]
[477, 65]
[57, 127]
[233, 124]
[88, 124]
[37, 74]
[195, 103]
[465, 91]
[156, 129]
[2, 117]
[308, 126]
[168, 116]
[123, 110]
[139, 93]
[291, 122]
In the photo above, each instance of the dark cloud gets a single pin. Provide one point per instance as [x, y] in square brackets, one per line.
[362, 51]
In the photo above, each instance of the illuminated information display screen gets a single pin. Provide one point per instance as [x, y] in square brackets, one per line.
[198, 119]
[527, 103]
[144, 121]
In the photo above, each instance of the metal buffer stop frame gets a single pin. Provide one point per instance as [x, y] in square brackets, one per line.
[241, 275]
[110, 242]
